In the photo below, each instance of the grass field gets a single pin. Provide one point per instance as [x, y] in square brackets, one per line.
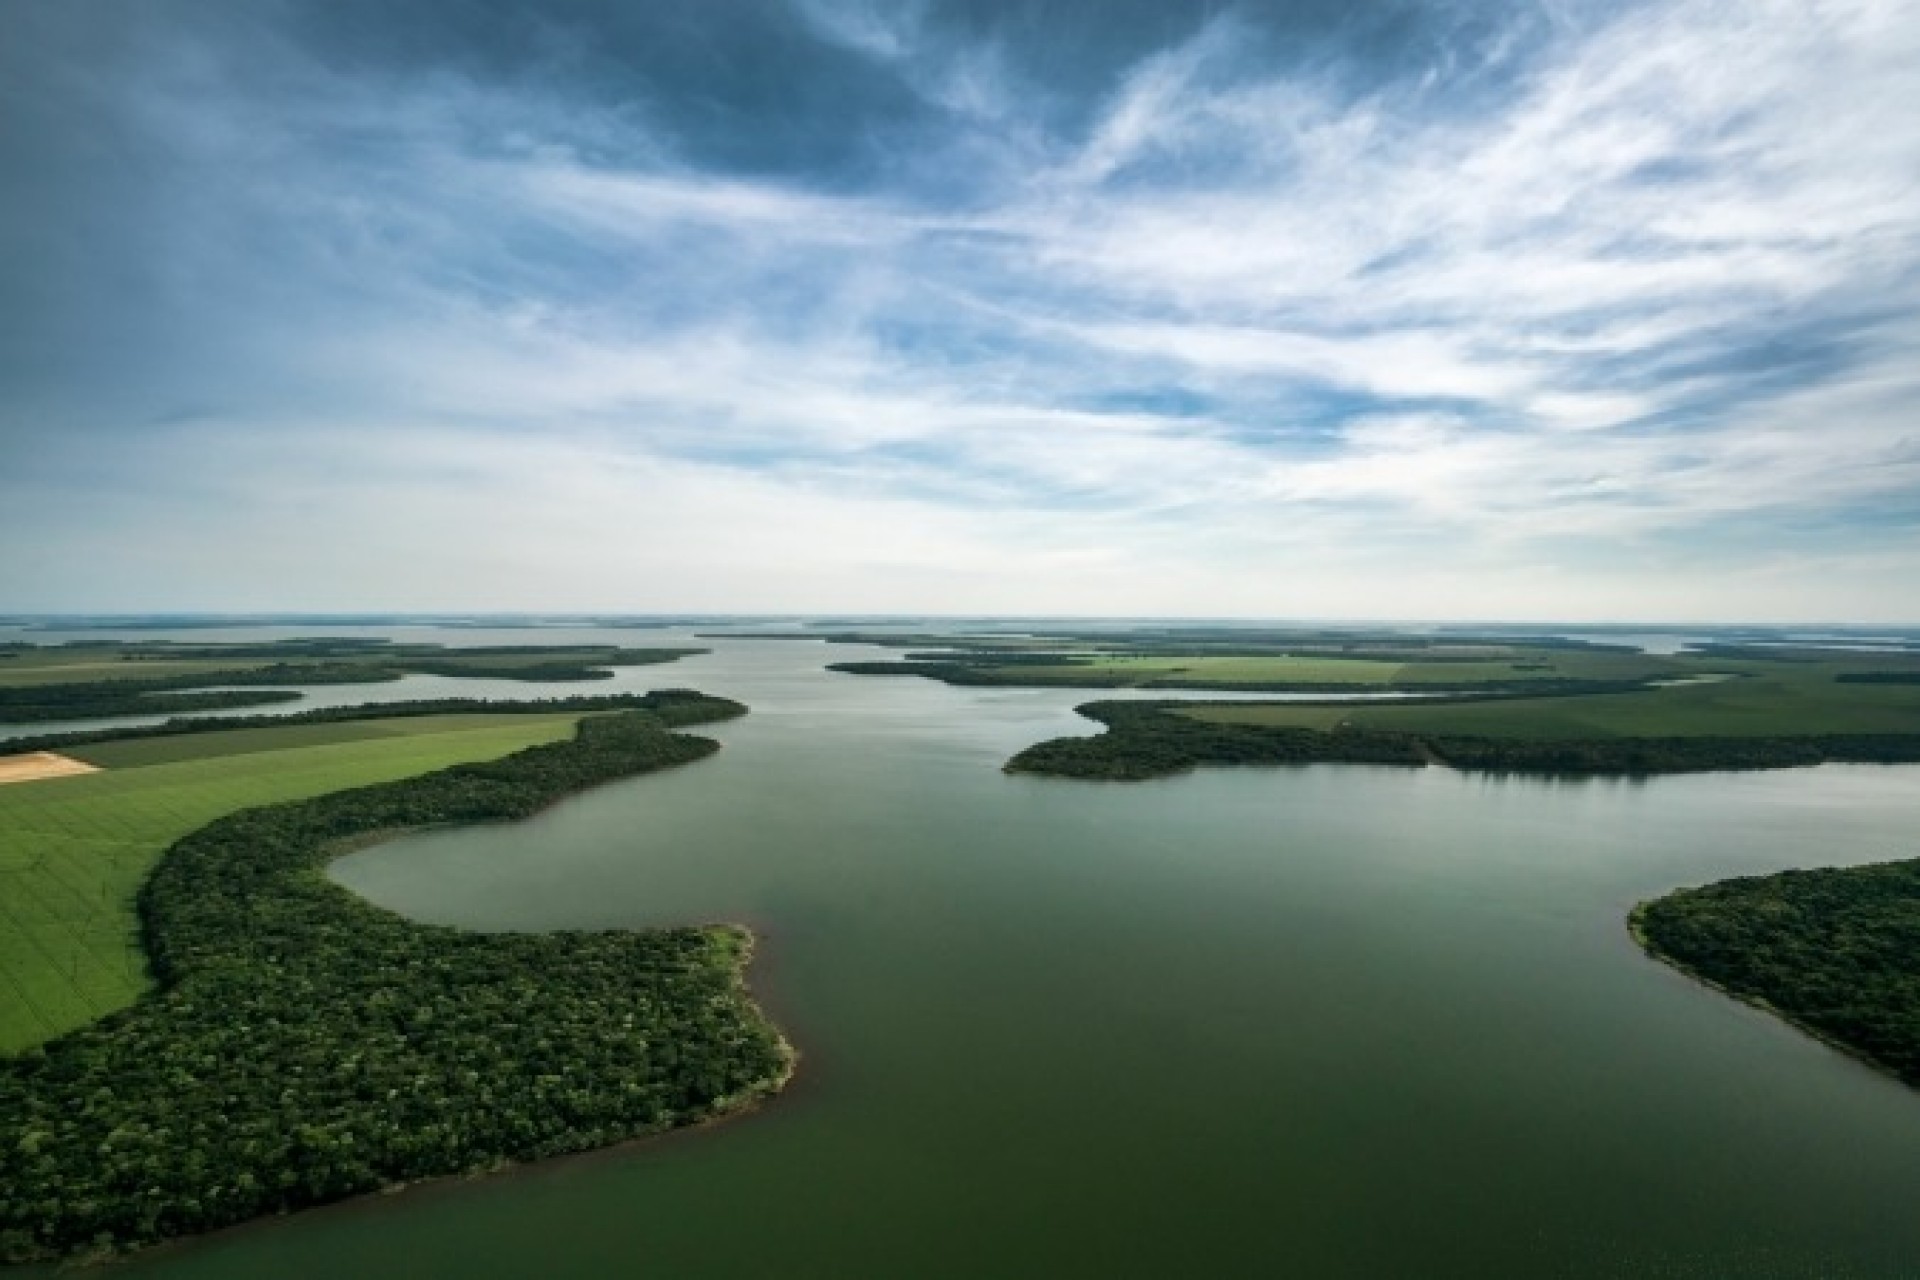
[1230, 661]
[74, 851]
[63, 666]
[1231, 671]
[1774, 699]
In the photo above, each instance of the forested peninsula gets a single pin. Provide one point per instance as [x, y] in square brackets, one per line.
[1835, 951]
[1152, 739]
[303, 1045]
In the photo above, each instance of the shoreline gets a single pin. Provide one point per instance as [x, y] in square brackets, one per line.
[1759, 1003]
[733, 945]
[411, 1192]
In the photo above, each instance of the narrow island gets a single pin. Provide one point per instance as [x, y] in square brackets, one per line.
[301, 1045]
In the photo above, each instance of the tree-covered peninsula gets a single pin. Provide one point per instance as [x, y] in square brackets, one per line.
[90, 679]
[1152, 739]
[1834, 951]
[303, 1045]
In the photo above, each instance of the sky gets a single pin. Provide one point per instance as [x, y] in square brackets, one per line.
[1280, 309]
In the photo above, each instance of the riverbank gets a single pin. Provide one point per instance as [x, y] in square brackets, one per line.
[1156, 739]
[1834, 952]
[305, 1047]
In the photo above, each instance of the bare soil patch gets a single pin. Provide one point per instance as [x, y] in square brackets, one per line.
[36, 765]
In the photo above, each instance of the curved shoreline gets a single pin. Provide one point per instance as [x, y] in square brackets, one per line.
[582, 1040]
[1149, 739]
[1755, 1002]
[400, 1194]
[1819, 950]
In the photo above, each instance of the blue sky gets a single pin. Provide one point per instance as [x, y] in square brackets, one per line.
[1436, 310]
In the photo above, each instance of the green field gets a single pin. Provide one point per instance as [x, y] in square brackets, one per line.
[1236, 670]
[1265, 660]
[1765, 700]
[74, 851]
[62, 666]
[33, 666]
[83, 681]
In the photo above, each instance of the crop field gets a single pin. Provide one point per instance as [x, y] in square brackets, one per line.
[74, 851]
[1229, 660]
[1766, 699]
[1231, 671]
[31, 668]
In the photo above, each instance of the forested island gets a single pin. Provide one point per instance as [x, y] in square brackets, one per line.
[303, 1046]
[1834, 951]
[87, 680]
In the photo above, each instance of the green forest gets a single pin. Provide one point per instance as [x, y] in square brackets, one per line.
[1152, 739]
[1835, 951]
[303, 1045]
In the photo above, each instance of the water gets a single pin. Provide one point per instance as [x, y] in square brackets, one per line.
[1322, 1022]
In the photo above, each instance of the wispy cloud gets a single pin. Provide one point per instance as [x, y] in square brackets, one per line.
[1633, 288]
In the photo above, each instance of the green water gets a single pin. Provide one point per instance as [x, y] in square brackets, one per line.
[1320, 1022]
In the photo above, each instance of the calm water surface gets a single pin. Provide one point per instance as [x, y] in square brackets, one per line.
[1320, 1022]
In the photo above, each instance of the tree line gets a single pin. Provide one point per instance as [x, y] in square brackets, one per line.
[1151, 739]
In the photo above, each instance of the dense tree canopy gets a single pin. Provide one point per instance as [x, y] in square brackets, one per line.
[1149, 739]
[1836, 951]
[304, 1045]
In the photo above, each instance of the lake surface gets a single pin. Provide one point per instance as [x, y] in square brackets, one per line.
[1324, 1022]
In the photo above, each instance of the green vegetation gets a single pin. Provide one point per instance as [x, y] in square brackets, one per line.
[1783, 700]
[1730, 712]
[304, 1045]
[1836, 952]
[1265, 660]
[74, 851]
[69, 741]
[1145, 740]
[1151, 739]
[84, 681]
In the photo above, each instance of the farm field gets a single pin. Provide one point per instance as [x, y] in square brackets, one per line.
[74, 851]
[1758, 700]
[94, 679]
[31, 666]
[1265, 660]
[53, 665]
[1231, 671]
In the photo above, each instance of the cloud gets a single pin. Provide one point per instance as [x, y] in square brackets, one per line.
[1638, 286]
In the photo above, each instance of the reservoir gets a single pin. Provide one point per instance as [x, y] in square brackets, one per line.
[1326, 1022]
